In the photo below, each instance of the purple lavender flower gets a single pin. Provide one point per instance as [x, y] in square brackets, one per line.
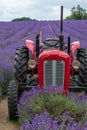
[44, 122]
[41, 122]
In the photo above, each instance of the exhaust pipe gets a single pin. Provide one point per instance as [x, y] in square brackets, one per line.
[37, 45]
[61, 37]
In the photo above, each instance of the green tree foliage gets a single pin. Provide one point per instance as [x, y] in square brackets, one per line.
[22, 19]
[77, 13]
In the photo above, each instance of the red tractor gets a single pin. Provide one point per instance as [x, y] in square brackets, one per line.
[52, 63]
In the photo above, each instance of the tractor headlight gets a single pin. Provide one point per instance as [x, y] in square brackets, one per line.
[76, 64]
[32, 64]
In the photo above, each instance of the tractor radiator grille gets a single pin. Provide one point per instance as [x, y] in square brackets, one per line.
[54, 72]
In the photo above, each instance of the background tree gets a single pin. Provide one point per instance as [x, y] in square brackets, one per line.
[22, 19]
[77, 13]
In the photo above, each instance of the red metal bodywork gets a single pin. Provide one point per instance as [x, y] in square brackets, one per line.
[54, 55]
[30, 46]
[74, 47]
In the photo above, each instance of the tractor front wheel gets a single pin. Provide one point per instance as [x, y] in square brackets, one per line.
[12, 100]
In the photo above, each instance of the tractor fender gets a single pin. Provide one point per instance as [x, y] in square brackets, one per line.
[74, 47]
[30, 46]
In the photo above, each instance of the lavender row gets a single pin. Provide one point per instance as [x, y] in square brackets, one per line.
[17, 33]
[13, 32]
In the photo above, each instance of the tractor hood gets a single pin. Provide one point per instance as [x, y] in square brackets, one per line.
[53, 54]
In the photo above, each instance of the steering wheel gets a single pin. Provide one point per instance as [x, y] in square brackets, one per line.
[51, 42]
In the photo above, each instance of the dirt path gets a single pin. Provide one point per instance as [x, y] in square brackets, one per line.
[5, 124]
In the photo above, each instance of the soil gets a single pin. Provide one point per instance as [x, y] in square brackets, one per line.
[5, 124]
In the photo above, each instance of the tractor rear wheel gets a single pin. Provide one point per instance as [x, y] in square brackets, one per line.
[20, 67]
[12, 100]
[82, 57]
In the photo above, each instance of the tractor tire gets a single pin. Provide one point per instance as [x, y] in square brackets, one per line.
[82, 58]
[20, 67]
[12, 100]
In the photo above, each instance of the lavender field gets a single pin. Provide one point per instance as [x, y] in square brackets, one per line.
[14, 34]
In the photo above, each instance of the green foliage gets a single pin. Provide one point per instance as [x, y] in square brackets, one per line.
[22, 19]
[55, 105]
[77, 13]
[14, 122]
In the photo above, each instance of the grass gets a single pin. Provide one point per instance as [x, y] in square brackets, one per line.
[14, 122]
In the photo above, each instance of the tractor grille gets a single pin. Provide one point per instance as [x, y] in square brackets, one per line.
[54, 72]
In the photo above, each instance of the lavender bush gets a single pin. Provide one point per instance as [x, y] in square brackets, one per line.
[68, 111]
[45, 122]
